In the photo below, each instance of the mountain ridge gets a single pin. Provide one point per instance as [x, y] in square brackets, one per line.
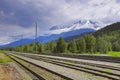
[77, 28]
[80, 24]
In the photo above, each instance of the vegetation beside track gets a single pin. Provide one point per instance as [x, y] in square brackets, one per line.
[113, 53]
[4, 58]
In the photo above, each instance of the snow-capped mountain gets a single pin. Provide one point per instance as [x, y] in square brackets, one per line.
[77, 28]
[81, 24]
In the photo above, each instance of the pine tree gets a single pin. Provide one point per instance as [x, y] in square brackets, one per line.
[72, 46]
[102, 45]
[116, 46]
[40, 48]
[25, 48]
[52, 45]
[61, 45]
[81, 45]
[90, 43]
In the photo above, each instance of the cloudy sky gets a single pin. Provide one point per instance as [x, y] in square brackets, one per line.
[19, 16]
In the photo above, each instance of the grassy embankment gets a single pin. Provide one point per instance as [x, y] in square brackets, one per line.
[110, 53]
[113, 53]
[4, 58]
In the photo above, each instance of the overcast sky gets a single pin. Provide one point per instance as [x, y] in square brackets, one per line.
[19, 16]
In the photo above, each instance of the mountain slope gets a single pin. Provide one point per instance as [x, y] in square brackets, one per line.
[77, 28]
[81, 24]
[108, 29]
[45, 39]
[19, 42]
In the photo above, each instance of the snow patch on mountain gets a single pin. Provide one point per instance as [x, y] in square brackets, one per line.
[81, 24]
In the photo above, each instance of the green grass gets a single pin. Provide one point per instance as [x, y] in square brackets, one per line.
[107, 70]
[5, 59]
[113, 53]
[1, 51]
[87, 66]
[70, 63]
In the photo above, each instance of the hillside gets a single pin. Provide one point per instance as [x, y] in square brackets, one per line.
[108, 29]
[102, 41]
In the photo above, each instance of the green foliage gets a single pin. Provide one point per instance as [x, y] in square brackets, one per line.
[102, 41]
[61, 45]
[102, 45]
[51, 46]
[72, 47]
[90, 43]
[108, 29]
[116, 46]
[40, 48]
[81, 45]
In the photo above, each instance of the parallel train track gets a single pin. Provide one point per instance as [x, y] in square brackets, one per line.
[40, 77]
[81, 66]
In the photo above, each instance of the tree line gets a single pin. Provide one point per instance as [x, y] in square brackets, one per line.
[102, 41]
[86, 44]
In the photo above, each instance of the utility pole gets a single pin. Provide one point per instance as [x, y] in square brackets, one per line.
[21, 43]
[36, 38]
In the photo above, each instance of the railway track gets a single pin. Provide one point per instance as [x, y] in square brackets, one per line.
[87, 57]
[85, 68]
[25, 67]
[91, 57]
[100, 70]
[106, 71]
[76, 61]
[35, 73]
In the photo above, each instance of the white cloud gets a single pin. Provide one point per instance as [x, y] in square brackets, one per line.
[4, 40]
[14, 30]
[8, 32]
[2, 13]
[55, 12]
[62, 11]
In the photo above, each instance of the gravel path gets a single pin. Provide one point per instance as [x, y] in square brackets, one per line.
[24, 75]
[8, 72]
[1, 56]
